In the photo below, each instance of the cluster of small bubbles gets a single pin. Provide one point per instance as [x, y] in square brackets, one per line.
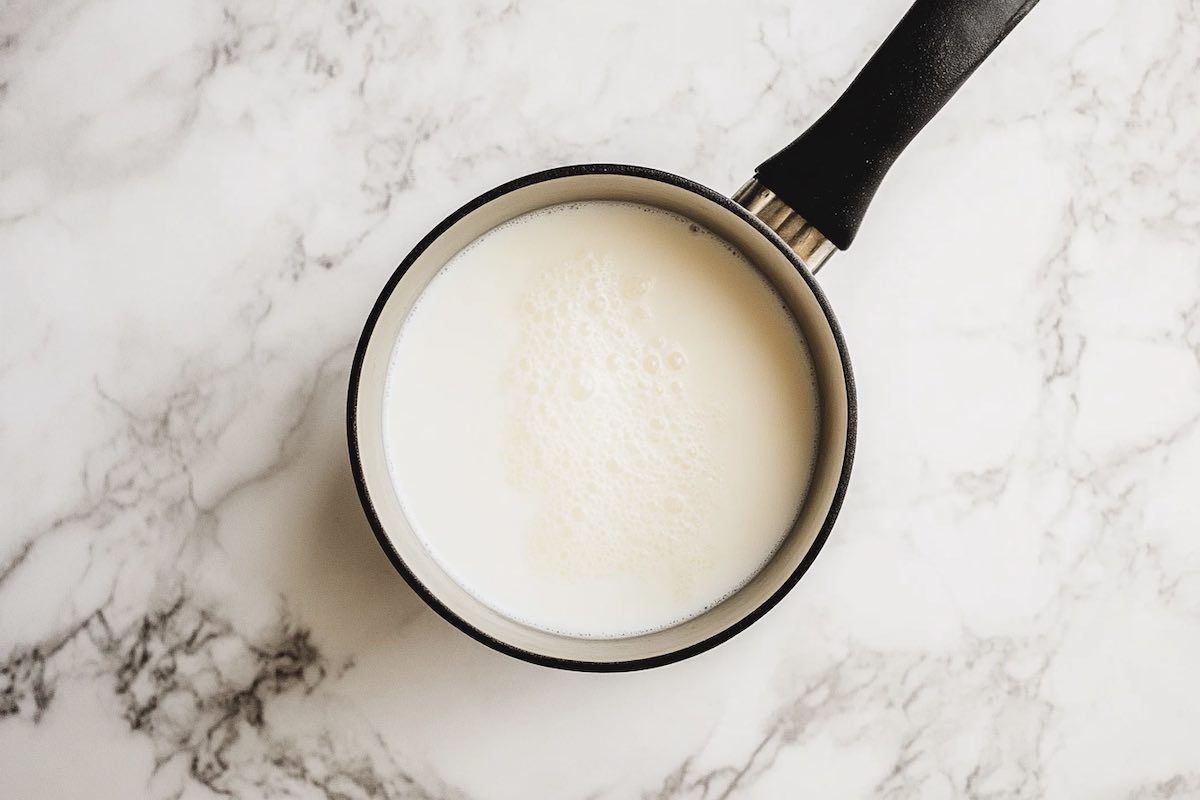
[606, 439]
[634, 287]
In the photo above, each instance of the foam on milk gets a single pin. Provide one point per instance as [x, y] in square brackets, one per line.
[601, 421]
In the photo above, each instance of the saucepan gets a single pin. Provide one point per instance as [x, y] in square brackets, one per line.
[802, 205]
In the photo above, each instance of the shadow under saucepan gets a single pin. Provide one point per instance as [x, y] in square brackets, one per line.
[334, 578]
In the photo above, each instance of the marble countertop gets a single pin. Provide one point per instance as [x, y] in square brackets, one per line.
[200, 201]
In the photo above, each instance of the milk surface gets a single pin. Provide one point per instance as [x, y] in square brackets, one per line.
[600, 419]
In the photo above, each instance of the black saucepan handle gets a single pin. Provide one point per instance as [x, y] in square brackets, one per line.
[829, 175]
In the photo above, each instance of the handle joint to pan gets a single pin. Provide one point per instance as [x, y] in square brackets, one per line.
[807, 242]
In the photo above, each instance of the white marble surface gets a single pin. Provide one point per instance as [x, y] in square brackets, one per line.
[198, 204]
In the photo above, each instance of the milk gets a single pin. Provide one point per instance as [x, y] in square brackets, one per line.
[600, 420]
